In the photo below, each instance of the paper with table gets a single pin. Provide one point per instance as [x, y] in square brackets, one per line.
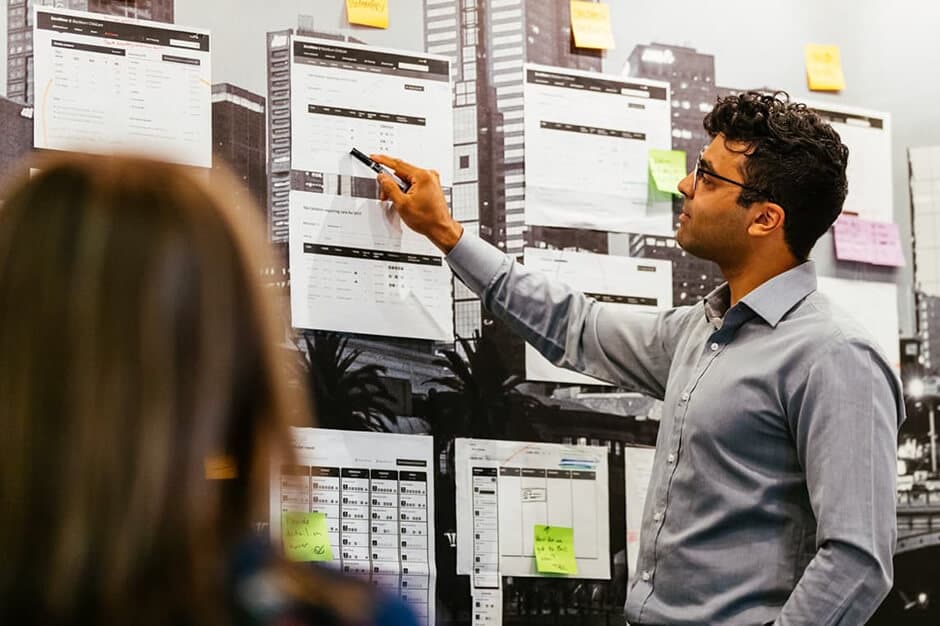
[617, 281]
[867, 134]
[355, 266]
[109, 84]
[587, 142]
[506, 488]
[375, 493]
[878, 243]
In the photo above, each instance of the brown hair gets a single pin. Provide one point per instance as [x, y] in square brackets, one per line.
[135, 343]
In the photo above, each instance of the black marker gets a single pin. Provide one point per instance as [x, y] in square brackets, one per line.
[379, 169]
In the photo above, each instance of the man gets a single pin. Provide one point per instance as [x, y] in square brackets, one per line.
[772, 498]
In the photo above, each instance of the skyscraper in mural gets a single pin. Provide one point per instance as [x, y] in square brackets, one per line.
[238, 139]
[20, 32]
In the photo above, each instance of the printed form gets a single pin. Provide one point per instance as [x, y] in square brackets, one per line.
[587, 143]
[505, 488]
[377, 492]
[868, 137]
[107, 84]
[355, 266]
[620, 281]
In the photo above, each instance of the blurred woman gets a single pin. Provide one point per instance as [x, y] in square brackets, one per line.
[136, 345]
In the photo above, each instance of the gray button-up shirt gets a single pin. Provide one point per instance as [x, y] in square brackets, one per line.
[772, 496]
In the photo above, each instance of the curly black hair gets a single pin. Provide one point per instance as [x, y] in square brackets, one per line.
[794, 159]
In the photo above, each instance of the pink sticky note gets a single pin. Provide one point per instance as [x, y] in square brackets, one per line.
[878, 243]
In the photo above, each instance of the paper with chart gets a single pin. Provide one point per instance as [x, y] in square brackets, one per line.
[873, 305]
[377, 493]
[108, 84]
[355, 267]
[617, 281]
[868, 137]
[638, 467]
[587, 143]
[506, 488]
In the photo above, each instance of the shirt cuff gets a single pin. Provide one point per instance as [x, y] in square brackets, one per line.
[476, 262]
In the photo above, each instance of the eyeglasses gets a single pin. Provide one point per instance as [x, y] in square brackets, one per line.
[702, 170]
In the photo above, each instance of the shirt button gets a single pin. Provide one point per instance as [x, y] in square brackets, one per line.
[645, 576]
[671, 458]
[685, 395]
[715, 347]
[657, 517]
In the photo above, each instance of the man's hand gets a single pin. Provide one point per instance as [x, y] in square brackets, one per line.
[424, 207]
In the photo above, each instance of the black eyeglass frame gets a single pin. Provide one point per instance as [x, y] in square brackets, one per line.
[700, 169]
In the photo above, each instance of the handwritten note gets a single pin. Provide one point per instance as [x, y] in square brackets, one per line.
[824, 68]
[590, 24]
[554, 550]
[877, 243]
[667, 168]
[306, 536]
[368, 12]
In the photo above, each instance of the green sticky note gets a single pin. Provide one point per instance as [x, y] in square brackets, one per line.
[306, 536]
[554, 550]
[667, 168]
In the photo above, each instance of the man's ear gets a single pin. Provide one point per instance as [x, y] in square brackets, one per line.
[768, 219]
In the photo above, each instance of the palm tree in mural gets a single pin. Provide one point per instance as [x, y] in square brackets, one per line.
[343, 396]
[482, 388]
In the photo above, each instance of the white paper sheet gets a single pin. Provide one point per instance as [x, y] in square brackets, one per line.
[377, 492]
[355, 266]
[619, 281]
[874, 307]
[587, 142]
[638, 469]
[868, 136]
[535, 483]
[108, 84]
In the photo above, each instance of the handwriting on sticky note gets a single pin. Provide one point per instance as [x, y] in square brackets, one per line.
[667, 168]
[590, 25]
[554, 550]
[866, 241]
[824, 68]
[368, 12]
[306, 536]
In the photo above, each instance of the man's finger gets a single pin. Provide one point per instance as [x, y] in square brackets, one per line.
[401, 168]
[390, 190]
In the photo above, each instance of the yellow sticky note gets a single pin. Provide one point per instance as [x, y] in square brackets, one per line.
[368, 12]
[824, 68]
[554, 550]
[590, 24]
[306, 536]
[220, 467]
[667, 168]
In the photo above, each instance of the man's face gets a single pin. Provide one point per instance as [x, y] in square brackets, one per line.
[713, 225]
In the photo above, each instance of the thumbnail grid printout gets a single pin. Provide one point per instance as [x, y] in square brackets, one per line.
[868, 136]
[376, 491]
[108, 84]
[355, 266]
[643, 285]
[587, 143]
[506, 488]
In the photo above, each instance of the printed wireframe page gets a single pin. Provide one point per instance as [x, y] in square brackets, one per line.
[587, 143]
[108, 84]
[620, 281]
[868, 137]
[505, 488]
[377, 492]
[355, 266]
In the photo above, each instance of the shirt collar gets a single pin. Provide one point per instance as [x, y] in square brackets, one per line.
[771, 300]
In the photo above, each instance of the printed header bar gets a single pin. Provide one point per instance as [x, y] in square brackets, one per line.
[121, 31]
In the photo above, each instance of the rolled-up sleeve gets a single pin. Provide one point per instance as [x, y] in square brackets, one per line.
[630, 348]
[845, 419]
